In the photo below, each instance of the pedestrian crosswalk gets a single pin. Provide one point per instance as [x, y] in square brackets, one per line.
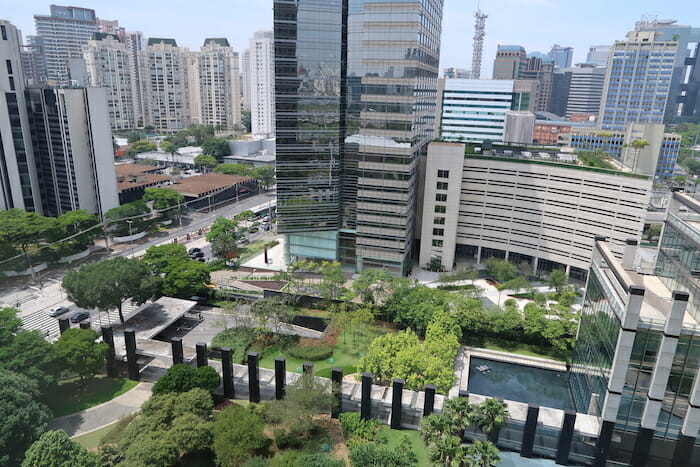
[42, 322]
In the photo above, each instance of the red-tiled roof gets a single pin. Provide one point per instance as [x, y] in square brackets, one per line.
[200, 185]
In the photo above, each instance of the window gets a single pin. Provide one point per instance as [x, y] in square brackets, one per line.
[442, 185]
[437, 242]
[3, 31]
[443, 173]
[12, 83]
[8, 63]
[439, 232]
[441, 209]
[439, 220]
[440, 197]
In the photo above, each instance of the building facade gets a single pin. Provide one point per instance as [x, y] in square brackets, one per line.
[598, 54]
[63, 33]
[262, 84]
[561, 56]
[355, 100]
[637, 80]
[539, 68]
[452, 73]
[109, 64]
[164, 85]
[529, 207]
[245, 80]
[218, 84]
[577, 90]
[510, 61]
[34, 62]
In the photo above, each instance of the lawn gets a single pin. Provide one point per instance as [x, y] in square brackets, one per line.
[92, 440]
[351, 345]
[502, 345]
[393, 439]
[70, 397]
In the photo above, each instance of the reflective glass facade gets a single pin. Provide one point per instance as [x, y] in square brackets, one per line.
[355, 84]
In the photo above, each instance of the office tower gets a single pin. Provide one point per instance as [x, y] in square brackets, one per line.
[111, 27]
[19, 184]
[135, 43]
[109, 63]
[218, 89]
[245, 80]
[355, 100]
[64, 32]
[598, 54]
[684, 99]
[72, 144]
[561, 56]
[262, 83]
[475, 110]
[34, 62]
[637, 80]
[539, 68]
[635, 363]
[453, 73]
[163, 74]
[577, 90]
[478, 44]
[510, 61]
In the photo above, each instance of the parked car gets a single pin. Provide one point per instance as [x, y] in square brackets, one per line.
[197, 254]
[194, 250]
[57, 311]
[79, 316]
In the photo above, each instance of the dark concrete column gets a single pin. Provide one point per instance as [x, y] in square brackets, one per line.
[565, 437]
[280, 377]
[132, 365]
[533, 411]
[85, 324]
[108, 338]
[366, 401]
[429, 401]
[202, 359]
[227, 371]
[463, 393]
[307, 369]
[63, 324]
[337, 390]
[396, 407]
[683, 451]
[176, 344]
[253, 378]
[642, 445]
[602, 446]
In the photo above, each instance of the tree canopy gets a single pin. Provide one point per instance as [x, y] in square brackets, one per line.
[224, 235]
[181, 276]
[22, 228]
[216, 147]
[138, 147]
[135, 211]
[238, 434]
[206, 161]
[80, 353]
[55, 449]
[184, 378]
[164, 199]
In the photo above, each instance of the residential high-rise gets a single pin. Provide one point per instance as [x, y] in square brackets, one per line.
[355, 103]
[539, 68]
[34, 62]
[135, 43]
[510, 61]
[452, 73]
[245, 80]
[219, 88]
[637, 80]
[111, 27]
[262, 83]
[64, 32]
[109, 64]
[598, 54]
[19, 184]
[72, 144]
[163, 73]
[561, 56]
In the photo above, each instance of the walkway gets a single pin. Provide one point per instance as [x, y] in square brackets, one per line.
[105, 414]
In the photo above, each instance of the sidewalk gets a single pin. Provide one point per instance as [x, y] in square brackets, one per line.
[105, 414]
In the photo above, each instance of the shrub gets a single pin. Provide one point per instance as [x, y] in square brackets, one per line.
[319, 460]
[237, 339]
[374, 455]
[183, 378]
[315, 353]
[287, 439]
[238, 434]
[354, 427]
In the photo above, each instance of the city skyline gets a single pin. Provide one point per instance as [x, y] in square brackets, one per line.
[541, 23]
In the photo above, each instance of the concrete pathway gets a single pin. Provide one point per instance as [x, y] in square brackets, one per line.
[105, 414]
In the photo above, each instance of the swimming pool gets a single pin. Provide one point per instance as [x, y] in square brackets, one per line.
[515, 382]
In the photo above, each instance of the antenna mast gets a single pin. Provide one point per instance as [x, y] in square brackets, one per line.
[478, 47]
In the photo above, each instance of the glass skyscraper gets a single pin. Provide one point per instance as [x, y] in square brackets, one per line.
[355, 90]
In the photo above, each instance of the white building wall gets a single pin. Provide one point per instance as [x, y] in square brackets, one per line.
[262, 84]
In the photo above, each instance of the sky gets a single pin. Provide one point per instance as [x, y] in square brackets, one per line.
[534, 24]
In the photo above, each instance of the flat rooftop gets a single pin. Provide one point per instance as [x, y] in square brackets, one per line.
[201, 185]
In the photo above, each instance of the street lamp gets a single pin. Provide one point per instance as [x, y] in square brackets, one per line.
[131, 239]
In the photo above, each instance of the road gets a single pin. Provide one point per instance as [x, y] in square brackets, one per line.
[34, 299]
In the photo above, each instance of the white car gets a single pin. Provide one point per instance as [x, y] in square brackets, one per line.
[57, 311]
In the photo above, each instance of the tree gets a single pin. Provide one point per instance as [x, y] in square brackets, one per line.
[500, 269]
[30, 355]
[332, 280]
[164, 199]
[483, 454]
[303, 399]
[167, 146]
[191, 433]
[55, 449]
[185, 279]
[238, 434]
[108, 284]
[208, 162]
[217, 147]
[693, 165]
[652, 230]
[10, 323]
[74, 222]
[153, 449]
[233, 169]
[79, 353]
[557, 280]
[637, 145]
[224, 235]
[134, 136]
[136, 212]
[414, 307]
[138, 147]
[273, 311]
[161, 257]
[183, 378]
[22, 417]
[371, 285]
[21, 229]
[491, 415]
[245, 120]
[265, 175]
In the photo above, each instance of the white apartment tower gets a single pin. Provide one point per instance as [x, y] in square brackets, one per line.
[163, 74]
[262, 84]
[245, 79]
[109, 63]
[64, 32]
[218, 91]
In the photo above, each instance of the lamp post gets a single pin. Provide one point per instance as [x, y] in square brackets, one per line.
[128, 221]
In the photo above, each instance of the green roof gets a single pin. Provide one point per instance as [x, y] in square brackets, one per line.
[158, 40]
[222, 41]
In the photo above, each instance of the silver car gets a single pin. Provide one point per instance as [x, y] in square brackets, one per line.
[57, 311]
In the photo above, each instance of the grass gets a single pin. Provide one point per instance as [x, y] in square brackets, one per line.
[93, 439]
[393, 440]
[502, 345]
[351, 345]
[71, 397]
[253, 249]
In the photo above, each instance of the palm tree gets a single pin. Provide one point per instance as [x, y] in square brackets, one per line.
[433, 427]
[459, 414]
[491, 416]
[637, 145]
[482, 454]
[445, 449]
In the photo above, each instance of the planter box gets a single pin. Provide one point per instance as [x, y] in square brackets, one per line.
[80, 255]
[26, 272]
[129, 238]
